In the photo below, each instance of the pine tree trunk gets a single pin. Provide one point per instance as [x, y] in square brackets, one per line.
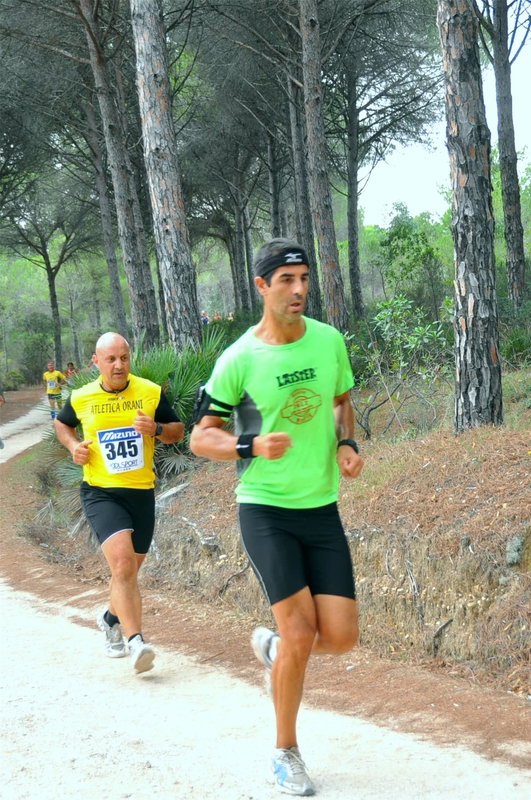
[144, 320]
[358, 309]
[254, 296]
[334, 292]
[512, 214]
[117, 301]
[134, 174]
[160, 156]
[274, 194]
[478, 394]
[240, 262]
[229, 241]
[56, 317]
[162, 305]
[303, 207]
[73, 329]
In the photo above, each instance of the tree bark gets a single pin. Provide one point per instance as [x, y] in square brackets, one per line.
[73, 328]
[334, 292]
[303, 206]
[92, 138]
[512, 214]
[240, 262]
[144, 317]
[160, 155]
[162, 306]
[478, 391]
[254, 296]
[274, 194]
[51, 274]
[229, 243]
[137, 175]
[358, 309]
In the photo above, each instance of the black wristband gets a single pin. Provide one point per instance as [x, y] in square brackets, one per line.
[351, 443]
[244, 445]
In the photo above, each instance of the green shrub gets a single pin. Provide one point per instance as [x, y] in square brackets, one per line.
[13, 380]
[398, 362]
[515, 346]
[233, 329]
[517, 388]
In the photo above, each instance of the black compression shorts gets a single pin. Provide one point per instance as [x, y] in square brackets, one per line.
[110, 511]
[290, 548]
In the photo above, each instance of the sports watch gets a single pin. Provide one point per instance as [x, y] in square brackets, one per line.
[351, 443]
[158, 429]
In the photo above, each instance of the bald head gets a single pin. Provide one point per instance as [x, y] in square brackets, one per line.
[112, 357]
[110, 339]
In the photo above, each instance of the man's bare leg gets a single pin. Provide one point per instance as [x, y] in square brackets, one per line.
[320, 624]
[337, 624]
[125, 601]
[296, 621]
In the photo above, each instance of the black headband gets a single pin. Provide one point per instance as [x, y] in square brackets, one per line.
[286, 257]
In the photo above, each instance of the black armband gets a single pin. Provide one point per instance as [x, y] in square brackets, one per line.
[202, 409]
[244, 445]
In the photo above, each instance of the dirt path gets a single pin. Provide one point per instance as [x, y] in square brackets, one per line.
[77, 725]
[23, 419]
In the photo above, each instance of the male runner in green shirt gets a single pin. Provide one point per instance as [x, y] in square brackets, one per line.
[287, 381]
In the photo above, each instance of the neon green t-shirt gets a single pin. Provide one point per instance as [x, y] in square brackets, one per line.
[287, 388]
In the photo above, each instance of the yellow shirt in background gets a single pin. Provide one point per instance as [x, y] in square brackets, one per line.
[53, 381]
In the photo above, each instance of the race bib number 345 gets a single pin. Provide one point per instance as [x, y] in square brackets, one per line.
[122, 449]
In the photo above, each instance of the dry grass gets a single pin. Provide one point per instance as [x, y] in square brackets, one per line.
[433, 524]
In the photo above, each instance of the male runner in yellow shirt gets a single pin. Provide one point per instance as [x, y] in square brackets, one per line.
[121, 415]
[53, 379]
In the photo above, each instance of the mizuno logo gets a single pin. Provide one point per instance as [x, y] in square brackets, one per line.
[119, 433]
[293, 258]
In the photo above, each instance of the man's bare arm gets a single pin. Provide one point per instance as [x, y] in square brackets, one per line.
[171, 431]
[349, 462]
[343, 416]
[211, 441]
[68, 438]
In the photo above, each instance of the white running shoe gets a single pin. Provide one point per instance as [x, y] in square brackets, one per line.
[114, 643]
[141, 654]
[261, 642]
[289, 773]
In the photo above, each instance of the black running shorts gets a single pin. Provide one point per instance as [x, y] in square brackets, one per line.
[110, 511]
[290, 548]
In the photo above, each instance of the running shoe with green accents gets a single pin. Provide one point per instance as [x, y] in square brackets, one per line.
[289, 772]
